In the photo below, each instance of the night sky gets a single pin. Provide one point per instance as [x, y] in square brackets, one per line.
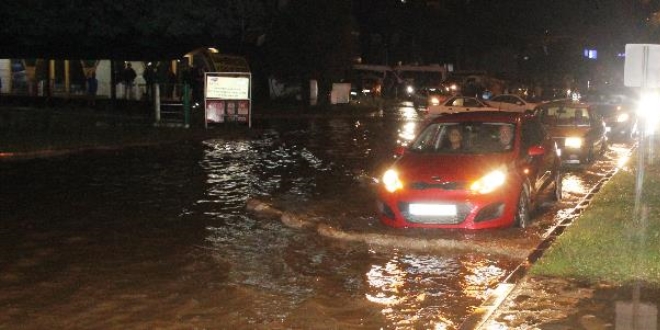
[421, 26]
[535, 35]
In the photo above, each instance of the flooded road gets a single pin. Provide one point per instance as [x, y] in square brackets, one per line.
[160, 237]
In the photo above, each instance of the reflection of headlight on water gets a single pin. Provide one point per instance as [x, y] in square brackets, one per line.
[408, 112]
[408, 131]
[575, 143]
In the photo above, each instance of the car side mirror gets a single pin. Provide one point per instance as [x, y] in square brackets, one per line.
[536, 151]
[399, 151]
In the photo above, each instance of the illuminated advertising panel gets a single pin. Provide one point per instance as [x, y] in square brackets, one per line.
[227, 97]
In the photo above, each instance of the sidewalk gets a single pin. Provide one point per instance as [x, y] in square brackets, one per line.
[558, 303]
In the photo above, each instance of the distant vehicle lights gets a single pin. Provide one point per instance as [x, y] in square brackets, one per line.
[647, 110]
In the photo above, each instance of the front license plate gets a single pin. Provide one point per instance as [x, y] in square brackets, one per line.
[432, 209]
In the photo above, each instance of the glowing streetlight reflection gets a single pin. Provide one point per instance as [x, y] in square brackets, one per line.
[413, 288]
[573, 184]
[408, 113]
[621, 163]
[483, 275]
[408, 131]
[388, 279]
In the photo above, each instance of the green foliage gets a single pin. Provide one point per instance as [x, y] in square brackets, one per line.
[312, 39]
[107, 27]
[611, 241]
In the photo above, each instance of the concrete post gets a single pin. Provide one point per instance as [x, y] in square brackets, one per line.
[156, 95]
[186, 105]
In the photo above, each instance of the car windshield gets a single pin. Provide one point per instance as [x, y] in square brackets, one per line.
[565, 116]
[608, 109]
[465, 138]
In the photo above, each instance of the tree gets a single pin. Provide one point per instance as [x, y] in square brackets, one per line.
[312, 39]
[122, 29]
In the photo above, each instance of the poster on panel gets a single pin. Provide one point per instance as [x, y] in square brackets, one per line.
[227, 97]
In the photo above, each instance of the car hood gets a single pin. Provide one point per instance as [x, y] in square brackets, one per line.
[420, 167]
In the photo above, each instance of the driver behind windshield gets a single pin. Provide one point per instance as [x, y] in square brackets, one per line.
[455, 139]
[506, 136]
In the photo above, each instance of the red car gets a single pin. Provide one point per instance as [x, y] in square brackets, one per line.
[471, 170]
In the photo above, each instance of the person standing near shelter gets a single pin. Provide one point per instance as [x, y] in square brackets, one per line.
[129, 80]
[92, 88]
[149, 77]
[186, 80]
[171, 83]
[163, 78]
[198, 85]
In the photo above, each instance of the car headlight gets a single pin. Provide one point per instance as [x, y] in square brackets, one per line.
[489, 182]
[622, 118]
[434, 101]
[391, 181]
[573, 142]
[410, 89]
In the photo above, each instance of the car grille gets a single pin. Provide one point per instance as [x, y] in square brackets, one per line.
[439, 185]
[462, 208]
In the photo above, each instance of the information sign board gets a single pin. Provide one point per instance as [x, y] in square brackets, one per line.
[642, 66]
[227, 97]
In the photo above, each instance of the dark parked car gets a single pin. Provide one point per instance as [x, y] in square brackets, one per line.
[619, 115]
[577, 128]
[471, 170]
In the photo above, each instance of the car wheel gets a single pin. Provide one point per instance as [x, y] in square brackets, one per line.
[559, 186]
[523, 209]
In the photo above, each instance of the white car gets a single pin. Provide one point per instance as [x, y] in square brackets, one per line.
[459, 104]
[511, 102]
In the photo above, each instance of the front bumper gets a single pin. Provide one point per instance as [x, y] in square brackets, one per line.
[572, 156]
[494, 210]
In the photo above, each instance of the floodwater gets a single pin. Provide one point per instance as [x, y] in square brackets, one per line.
[159, 237]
